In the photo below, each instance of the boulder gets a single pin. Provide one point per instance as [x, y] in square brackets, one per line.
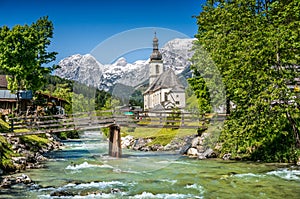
[141, 143]
[145, 148]
[115, 190]
[19, 160]
[23, 179]
[209, 153]
[298, 162]
[192, 152]
[172, 147]
[61, 193]
[6, 182]
[226, 156]
[40, 158]
[196, 142]
[157, 147]
[185, 148]
[127, 141]
[201, 149]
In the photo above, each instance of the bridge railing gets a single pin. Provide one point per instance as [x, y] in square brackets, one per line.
[96, 120]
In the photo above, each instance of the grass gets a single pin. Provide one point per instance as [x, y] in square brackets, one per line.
[5, 155]
[35, 142]
[4, 127]
[21, 131]
[161, 136]
[35, 138]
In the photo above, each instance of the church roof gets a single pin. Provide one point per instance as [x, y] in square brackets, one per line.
[167, 79]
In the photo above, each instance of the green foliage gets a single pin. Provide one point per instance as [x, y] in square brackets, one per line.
[164, 136]
[6, 153]
[191, 101]
[201, 93]
[101, 98]
[80, 98]
[174, 117]
[68, 135]
[105, 131]
[206, 82]
[4, 127]
[82, 104]
[23, 51]
[255, 47]
[111, 103]
[35, 142]
[137, 99]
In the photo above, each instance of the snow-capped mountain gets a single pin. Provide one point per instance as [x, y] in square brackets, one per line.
[130, 74]
[86, 69]
[83, 68]
[176, 54]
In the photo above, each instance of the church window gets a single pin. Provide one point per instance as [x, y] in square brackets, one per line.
[157, 69]
[177, 102]
[166, 96]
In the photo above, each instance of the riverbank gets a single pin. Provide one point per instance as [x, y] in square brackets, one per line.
[22, 153]
[194, 146]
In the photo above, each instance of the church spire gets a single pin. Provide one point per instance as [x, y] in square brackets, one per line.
[155, 54]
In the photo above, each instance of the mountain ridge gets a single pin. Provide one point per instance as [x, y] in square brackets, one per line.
[87, 70]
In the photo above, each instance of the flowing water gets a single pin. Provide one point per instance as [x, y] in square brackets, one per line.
[84, 170]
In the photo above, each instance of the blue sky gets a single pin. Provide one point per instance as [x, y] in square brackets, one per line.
[79, 26]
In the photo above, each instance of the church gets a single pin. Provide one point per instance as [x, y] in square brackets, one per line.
[165, 90]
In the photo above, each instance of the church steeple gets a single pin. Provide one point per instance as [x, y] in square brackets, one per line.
[155, 53]
[156, 66]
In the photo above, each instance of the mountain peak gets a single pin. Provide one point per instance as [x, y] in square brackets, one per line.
[121, 62]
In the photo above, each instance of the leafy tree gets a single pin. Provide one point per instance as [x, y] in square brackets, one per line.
[255, 47]
[206, 81]
[201, 91]
[23, 51]
[136, 98]
[82, 104]
[111, 103]
[101, 98]
[74, 92]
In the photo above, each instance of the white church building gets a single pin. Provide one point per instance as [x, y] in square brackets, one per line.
[165, 91]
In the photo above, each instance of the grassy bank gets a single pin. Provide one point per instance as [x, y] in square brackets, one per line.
[6, 153]
[161, 136]
[23, 145]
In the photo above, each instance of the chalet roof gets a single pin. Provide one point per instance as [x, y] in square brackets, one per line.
[7, 95]
[3, 81]
[167, 79]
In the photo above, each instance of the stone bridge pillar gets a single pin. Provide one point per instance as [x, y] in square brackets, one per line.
[115, 149]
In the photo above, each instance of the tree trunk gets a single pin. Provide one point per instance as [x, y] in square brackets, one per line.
[227, 106]
[295, 129]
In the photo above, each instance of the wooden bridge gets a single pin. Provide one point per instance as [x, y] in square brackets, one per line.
[20, 126]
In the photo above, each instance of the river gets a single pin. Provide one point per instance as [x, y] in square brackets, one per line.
[84, 170]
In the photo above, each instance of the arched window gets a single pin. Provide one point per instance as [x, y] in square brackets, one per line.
[157, 69]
